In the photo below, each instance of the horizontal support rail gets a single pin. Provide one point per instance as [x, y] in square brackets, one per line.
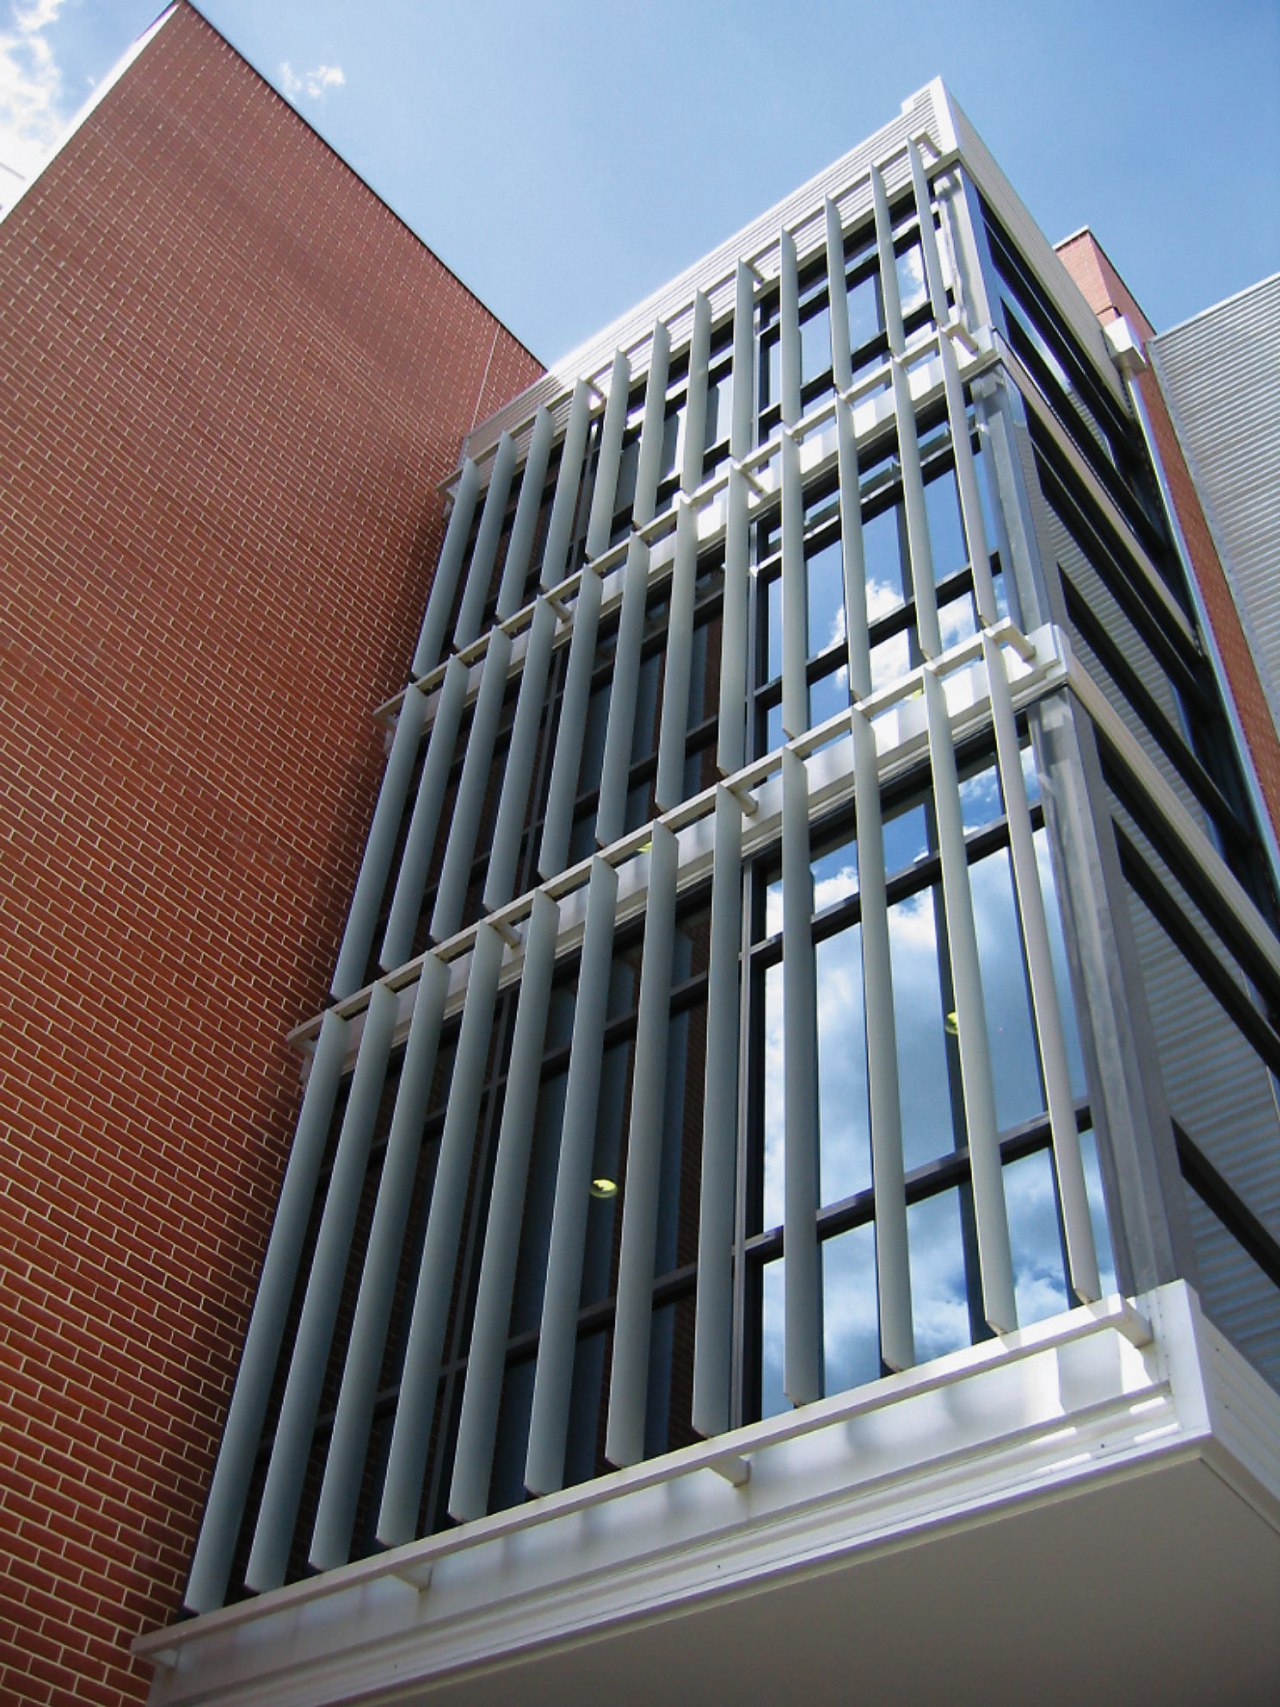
[1041, 653]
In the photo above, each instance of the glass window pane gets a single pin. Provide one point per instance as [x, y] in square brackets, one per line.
[946, 530]
[672, 428]
[844, 1122]
[593, 739]
[912, 288]
[883, 544]
[773, 728]
[1039, 1271]
[506, 1485]
[584, 1457]
[539, 1197]
[667, 1426]
[829, 695]
[677, 1230]
[925, 1065]
[826, 598]
[957, 620]
[906, 837]
[939, 1285]
[628, 465]
[1015, 1061]
[864, 311]
[773, 629]
[608, 1163]
[980, 801]
[773, 1112]
[770, 372]
[890, 660]
[835, 878]
[815, 345]
[1030, 775]
[719, 408]
[772, 1398]
[850, 1324]
[644, 738]
[835, 874]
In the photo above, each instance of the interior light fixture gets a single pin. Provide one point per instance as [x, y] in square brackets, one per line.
[604, 1188]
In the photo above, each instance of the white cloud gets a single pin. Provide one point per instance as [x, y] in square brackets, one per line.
[315, 83]
[33, 106]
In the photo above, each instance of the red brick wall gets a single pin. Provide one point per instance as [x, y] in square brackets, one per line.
[230, 380]
[1109, 297]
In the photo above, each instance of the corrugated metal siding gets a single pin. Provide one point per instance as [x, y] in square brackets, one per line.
[1221, 375]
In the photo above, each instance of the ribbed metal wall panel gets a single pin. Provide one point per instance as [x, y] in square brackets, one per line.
[1221, 376]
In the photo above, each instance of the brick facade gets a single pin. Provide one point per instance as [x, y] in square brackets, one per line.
[230, 380]
[1109, 298]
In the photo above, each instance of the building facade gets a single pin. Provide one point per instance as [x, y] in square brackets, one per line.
[793, 1139]
[230, 381]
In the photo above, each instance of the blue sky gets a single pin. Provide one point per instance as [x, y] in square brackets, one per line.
[565, 157]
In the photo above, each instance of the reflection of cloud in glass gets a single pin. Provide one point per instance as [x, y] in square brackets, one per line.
[890, 661]
[844, 1120]
[1031, 1201]
[850, 1319]
[980, 798]
[911, 280]
[939, 1288]
[957, 621]
[834, 886]
[882, 597]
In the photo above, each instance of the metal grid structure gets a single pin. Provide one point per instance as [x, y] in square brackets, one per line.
[743, 920]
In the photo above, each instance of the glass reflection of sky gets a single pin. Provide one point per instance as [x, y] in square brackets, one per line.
[772, 1397]
[774, 1108]
[1006, 996]
[882, 556]
[826, 598]
[924, 1079]
[939, 1288]
[835, 878]
[980, 801]
[957, 620]
[906, 837]
[946, 532]
[864, 311]
[913, 292]
[815, 345]
[850, 1325]
[844, 1125]
[1039, 1276]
